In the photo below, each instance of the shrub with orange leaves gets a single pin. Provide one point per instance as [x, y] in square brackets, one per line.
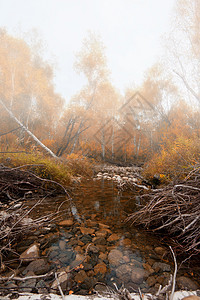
[79, 164]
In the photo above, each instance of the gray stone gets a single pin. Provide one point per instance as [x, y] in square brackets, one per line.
[67, 256]
[158, 266]
[87, 266]
[187, 283]
[49, 239]
[67, 235]
[136, 263]
[53, 254]
[39, 266]
[11, 285]
[123, 272]
[89, 282]
[42, 287]
[27, 285]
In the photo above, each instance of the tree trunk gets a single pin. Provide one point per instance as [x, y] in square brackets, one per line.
[103, 143]
[112, 141]
[28, 131]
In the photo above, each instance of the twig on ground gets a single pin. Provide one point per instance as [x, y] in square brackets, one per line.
[12, 277]
[174, 276]
[59, 287]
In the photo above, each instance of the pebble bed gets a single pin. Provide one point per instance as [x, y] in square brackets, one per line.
[86, 255]
[92, 253]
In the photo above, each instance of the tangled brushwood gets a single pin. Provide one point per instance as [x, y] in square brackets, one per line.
[18, 186]
[21, 183]
[174, 210]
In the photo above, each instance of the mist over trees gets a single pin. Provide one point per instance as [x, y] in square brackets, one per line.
[159, 118]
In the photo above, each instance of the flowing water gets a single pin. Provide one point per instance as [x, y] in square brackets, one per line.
[117, 253]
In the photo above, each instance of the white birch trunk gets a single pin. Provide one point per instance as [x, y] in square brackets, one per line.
[28, 131]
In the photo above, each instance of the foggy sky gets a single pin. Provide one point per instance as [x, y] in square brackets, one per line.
[130, 29]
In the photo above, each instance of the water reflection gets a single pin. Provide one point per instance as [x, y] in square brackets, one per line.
[118, 254]
[75, 213]
[96, 205]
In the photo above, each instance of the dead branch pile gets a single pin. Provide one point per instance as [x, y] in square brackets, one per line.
[18, 183]
[16, 186]
[174, 210]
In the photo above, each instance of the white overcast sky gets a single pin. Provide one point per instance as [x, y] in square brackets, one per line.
[130, 29]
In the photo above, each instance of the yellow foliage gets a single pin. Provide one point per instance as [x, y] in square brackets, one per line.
[175, 159]
[61, 171]
[44, 167]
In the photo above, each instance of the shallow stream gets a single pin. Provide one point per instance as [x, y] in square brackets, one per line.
[93, 244]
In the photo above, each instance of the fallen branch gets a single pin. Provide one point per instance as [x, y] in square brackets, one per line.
[27, 130]
[26, 278]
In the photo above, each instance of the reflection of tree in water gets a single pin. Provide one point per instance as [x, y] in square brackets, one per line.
[96, 205]
[101, 198]
[75, 213]
[110, 202]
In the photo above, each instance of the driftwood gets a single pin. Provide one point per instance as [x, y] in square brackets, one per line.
[174, 210]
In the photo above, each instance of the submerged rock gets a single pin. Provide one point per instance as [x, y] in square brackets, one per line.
[68, 222]
[114, 257]
[138, 275]
[100, 268]
[113, 237]
[160, 251]
[123, 272]
[85, 230]
[62, 245]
